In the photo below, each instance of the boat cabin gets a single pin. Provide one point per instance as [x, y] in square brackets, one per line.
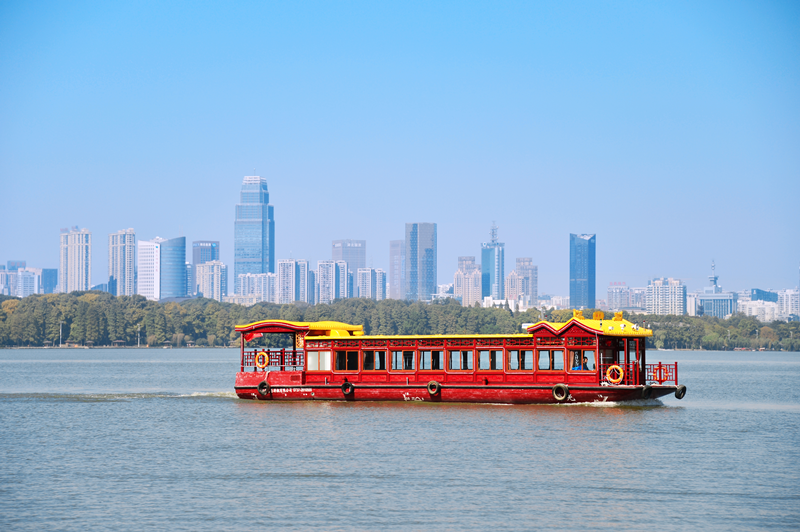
[582, 351]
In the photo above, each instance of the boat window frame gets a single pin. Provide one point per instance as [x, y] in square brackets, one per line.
[317, 352]
[489, 350]
[442, 350]
[508, 351]
[346, 350]
[582, 350]
[461, 350]
[414, 356]
[385, 360]
[551, 350]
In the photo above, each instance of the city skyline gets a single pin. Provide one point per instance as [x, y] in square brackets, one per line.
[645, 110]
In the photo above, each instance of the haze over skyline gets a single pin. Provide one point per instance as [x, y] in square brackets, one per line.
[669, 130]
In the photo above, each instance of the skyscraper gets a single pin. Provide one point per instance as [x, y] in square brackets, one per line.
[162, 268]
[75, 260]
[371, 283]
[666, 296]
[202, 251]
[332, 279]
[254, 230]
[529, 272]
[212, 279]
[420, 282]
[397, 269]
[467, 282]
[582, 271]
[292, 281]
[353, 252]
[493, 267]
[121, 263]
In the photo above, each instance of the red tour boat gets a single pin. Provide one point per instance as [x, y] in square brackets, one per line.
[582, 360]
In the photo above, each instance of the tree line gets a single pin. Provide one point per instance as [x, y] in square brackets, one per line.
[100, 319]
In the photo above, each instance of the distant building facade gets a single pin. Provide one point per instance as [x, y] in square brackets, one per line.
[332, 277]
[49, 280]
[493, 267]
[619, 296]
[397, 269]
[293, 281]
[467, 282]
[582, 254]
[161, 268]
[254, 230]
[421, 251]
[527, 270]
[371, 283]
[712, 301]
[212, 279]
[75, 260]
[122, 263]
[263, 286]
[202, 251]
[666, 296]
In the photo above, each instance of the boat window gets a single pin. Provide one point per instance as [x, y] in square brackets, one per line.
[551, 360]
[431, 360]
[346, 360]
[581, 360]
[319, 360]
[374, 361]
[460, 360]
[520, 360]
[491, 360]
[403, 360]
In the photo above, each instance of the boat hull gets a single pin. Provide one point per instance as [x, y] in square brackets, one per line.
[247, 387]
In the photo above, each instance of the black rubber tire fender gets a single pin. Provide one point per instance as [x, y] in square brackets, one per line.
[347, 388]
[434, 387]
[647, 391]
[680, 391]
[263, 388]
[560, 392]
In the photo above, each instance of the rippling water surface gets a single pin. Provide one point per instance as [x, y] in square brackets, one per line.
[126, 439]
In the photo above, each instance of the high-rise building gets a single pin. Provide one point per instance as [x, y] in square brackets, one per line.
[371, 283]
[14, 265]
[582, 271]
[421, 250]
[292, 281]
[264, 286]
[397, 269]
[162, 268]
[122, 263]
[75, 260]
[49, 280]
[203, 251]
[712, 301]
[254, 230]
[353, 252]
[517, 287]
[619, 296]
[332, 279]
[29, 281]
[666, 296]
[212, 279]
[493, 267]
[528, 271]
[467, 282]
[4, 285]
[191, 280]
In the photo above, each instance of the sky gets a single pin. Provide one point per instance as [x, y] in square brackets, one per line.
[669, 129]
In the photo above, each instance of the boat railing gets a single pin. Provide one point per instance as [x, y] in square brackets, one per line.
[276, 359]
[630, 374]
[661, 373]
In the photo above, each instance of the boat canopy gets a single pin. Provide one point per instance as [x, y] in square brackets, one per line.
[615, 326]
[316, 328]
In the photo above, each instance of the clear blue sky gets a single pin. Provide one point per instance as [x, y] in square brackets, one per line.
[670, 129]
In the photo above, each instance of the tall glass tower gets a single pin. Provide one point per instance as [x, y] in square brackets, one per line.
[493, 267]
[582, 271]
[254, 231]
[420, 281]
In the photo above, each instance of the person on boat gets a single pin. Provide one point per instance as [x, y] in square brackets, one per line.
[586, 363]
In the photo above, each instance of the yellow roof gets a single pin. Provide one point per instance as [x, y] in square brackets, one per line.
[616, 326]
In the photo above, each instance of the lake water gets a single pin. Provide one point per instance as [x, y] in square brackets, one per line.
[126, 439]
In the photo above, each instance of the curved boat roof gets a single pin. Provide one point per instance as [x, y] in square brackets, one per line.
[616, 326]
